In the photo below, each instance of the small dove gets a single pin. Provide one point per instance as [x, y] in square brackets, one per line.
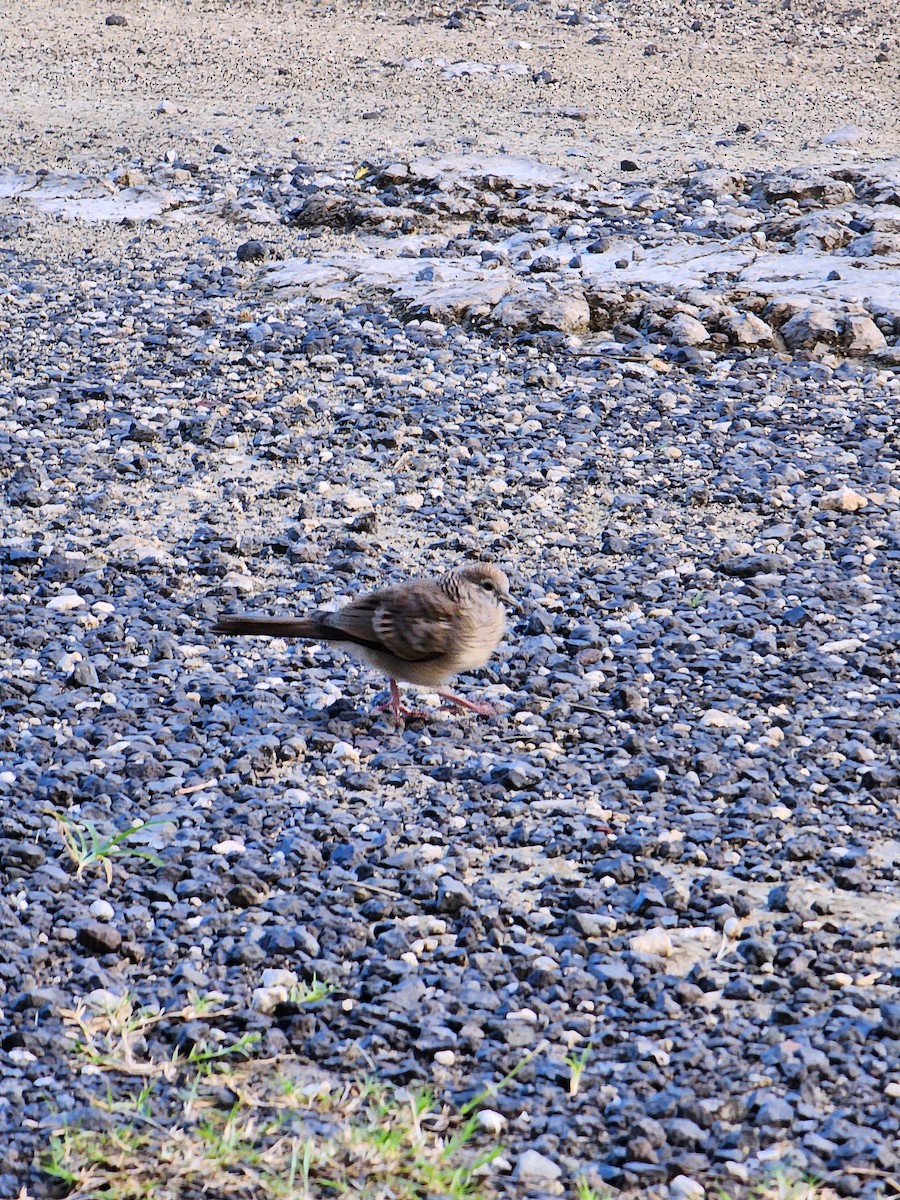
[422, 632]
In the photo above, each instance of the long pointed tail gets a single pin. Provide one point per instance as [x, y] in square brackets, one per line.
[288, 627]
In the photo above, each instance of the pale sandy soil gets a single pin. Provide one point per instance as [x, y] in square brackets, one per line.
[324, 82]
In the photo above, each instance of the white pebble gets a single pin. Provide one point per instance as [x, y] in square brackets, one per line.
[65, 602]
[278, 977]
[716, 718]
[20, 1057]
[345, 752]
[492, 1122]
[654, 941]
[845, 499]
[229, 846]
[523, 1014]
[533, 1167]
[683, 1187]
[267, 999]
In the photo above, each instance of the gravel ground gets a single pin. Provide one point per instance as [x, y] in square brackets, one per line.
[676, 848]
[742, 83]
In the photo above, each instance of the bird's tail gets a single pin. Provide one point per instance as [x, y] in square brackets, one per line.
[288, 627]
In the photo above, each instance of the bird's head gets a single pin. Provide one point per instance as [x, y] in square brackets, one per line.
[491, 579]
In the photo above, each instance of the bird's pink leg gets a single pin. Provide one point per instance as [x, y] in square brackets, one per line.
[476, 706]
[397, 708]
[394, 703]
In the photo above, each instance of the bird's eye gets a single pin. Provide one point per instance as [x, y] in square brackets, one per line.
[489, 585]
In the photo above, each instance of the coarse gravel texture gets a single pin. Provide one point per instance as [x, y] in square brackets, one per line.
[741, 84]
[675, 848]
[699, 714]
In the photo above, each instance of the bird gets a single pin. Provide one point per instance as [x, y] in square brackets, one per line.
[422, 632]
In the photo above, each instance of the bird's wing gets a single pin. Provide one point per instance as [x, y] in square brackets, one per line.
[414, 622]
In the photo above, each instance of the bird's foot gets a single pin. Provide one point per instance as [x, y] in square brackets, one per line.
[399, 710]
[481, 707]
[402, 711]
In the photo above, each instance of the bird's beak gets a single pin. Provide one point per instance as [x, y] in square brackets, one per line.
[511, 601]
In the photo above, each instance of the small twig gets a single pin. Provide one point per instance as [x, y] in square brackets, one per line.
[371, 887]
[196, 787]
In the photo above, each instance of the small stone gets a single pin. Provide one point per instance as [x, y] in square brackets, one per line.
[594, 924]
[890, 1018]
[267, 999]
[20, 1057]
[85, 675]
[686, 330]
[491, 1122]
[452, 895]
[278, 977]
[21, 854]
[862, 336]
[65, 602]
[523, 1014]
[545, 963]
[99, 938]
[810, 327]
[797, 615]
[716, 718]
[535, 1168]
[845, 499]
[683, 1187]
[654, 941]
[775, 1112]
[747, 329]
[252, 251]
[102, 910]
[445, 1058]
[229, 846]
[116, 19]
[517, 773]
[345, 752]
[128, 177]
[737, 1171]
[544, 309]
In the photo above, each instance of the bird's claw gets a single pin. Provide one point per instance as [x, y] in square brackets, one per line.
[479, 707]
